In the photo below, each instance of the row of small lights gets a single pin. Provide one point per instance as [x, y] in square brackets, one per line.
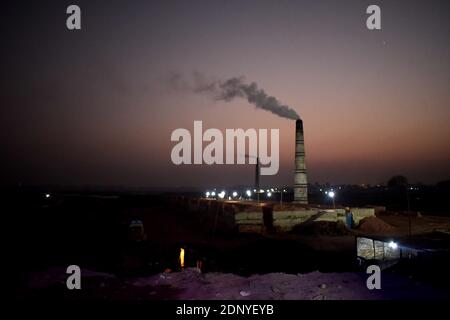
[330, 189]
[235, 194]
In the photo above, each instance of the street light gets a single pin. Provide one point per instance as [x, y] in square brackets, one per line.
[221, 195]
[331, 194]
[235, 194]
[249, 193]
[393, 245]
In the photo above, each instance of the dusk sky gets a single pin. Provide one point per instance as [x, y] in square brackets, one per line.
[93, 107]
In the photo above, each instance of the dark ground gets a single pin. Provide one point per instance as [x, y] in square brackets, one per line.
[92, 231]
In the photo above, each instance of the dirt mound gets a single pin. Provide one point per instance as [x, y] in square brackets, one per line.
[322, 228]
[375, 225]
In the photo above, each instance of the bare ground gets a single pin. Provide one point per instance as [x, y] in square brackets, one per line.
[190, 284]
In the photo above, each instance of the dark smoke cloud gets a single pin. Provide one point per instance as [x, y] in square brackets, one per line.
[231, 89]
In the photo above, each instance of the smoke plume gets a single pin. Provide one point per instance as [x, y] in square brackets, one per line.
[231, 89]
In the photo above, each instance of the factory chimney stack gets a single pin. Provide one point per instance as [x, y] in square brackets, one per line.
[300, 180]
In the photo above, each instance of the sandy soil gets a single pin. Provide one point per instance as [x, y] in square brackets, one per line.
[190, 284]
[310, 286]
[419, 225]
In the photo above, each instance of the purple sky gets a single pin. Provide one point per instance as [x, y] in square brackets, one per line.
[92, 107]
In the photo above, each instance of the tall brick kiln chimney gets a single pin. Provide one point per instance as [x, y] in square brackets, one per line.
[300, 180]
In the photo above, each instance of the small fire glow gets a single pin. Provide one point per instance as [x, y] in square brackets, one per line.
[181, 258]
